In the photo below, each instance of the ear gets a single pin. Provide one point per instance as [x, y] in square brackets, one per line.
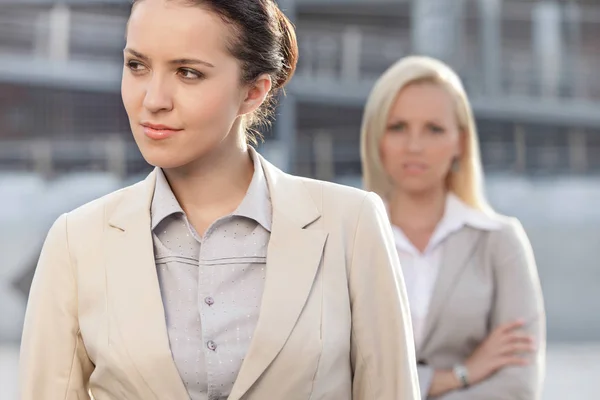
[255, 94]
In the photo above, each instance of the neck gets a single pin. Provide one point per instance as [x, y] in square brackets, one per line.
[417, 211]
[215, 184]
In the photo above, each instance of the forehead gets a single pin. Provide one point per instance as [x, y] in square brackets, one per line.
[173, 28]
[424, 98]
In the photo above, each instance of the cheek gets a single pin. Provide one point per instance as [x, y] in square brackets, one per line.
[390, 148]
[211, 103]
[446, 150]
[391, 151]
[442, 156]
[131, 94]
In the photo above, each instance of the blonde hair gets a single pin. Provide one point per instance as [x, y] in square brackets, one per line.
[467, 181]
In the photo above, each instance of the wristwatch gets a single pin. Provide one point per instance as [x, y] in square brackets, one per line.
[462, 374]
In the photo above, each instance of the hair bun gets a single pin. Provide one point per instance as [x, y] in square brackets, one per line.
[289, 49]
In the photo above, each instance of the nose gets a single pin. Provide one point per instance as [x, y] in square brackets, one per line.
[415, 142]
[158, 97]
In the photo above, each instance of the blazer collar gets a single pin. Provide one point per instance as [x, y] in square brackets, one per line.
[291, 199]
[135, 204]
[457, 250]
[293, 259]
[133, 291]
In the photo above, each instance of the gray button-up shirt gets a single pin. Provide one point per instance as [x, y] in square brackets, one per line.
[211, 286]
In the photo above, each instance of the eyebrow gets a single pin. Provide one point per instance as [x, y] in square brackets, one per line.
[397, 121]
[435, 122]
[404, 122]
[179, 61]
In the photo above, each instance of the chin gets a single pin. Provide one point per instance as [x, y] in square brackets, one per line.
[416, 186]
[171, 153]
[166, 162]
[167, 157]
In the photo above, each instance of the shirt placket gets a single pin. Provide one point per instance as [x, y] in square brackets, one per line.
[208, 303]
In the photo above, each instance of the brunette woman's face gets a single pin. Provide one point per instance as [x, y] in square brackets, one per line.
[422, 138]
[181, 87]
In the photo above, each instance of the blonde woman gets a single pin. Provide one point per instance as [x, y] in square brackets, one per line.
[473, 286]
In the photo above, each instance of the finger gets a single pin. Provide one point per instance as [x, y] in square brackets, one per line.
[517, 348]
[514, 360]
[514, 337]
[519, 337]
[509, 326]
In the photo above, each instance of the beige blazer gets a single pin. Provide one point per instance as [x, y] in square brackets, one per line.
[334, 322]
[487, 278]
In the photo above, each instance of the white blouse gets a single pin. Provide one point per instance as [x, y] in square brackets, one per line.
[421, 269]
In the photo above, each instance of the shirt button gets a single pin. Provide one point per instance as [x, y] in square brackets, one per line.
[209, 300]
[211, 345]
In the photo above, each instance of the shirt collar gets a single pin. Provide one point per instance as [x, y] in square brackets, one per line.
[255, 205]
[457, 214]
[257, 202]
[164, 202]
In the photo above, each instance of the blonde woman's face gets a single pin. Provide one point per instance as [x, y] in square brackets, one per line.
[422, 138]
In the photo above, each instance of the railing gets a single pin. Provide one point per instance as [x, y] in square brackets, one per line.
[18, 31]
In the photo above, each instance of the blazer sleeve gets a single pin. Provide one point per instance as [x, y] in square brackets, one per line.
[53, 363]
[426, 374]
[518, 295]
[382, 351]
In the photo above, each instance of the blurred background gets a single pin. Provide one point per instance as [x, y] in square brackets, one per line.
[532, 69]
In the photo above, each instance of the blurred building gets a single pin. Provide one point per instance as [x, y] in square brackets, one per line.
[530, 67]
[60, 69]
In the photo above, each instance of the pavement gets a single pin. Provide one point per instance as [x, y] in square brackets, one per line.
[572, 372]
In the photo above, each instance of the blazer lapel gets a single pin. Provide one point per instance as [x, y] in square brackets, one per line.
[457, 251]
[293, 259]
[134, 292]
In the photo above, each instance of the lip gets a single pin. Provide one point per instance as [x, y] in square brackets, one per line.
[158, 131]
[414, 167]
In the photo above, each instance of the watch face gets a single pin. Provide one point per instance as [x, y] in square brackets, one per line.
[461, 373]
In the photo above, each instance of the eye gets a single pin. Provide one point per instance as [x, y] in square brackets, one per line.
[190, 74]
[397, 127]
[135, 66]
[437, 129]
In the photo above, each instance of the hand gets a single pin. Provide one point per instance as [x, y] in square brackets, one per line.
[503, 347]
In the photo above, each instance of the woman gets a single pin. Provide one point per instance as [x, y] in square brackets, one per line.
[219, 276]
[472, 282]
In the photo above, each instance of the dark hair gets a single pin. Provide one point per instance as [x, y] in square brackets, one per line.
[264, 43]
